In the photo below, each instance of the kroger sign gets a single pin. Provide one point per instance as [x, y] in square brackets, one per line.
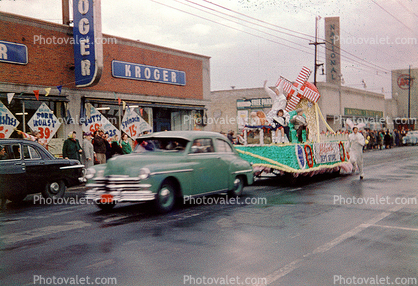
[88, 47]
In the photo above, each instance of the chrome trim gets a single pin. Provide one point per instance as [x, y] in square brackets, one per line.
[243, 171]
[72, 167]
[121, 196]
[171, 172]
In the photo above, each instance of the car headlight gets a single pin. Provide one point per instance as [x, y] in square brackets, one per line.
[90, 173]
[144, 173]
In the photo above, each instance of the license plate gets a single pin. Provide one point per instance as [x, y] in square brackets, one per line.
[106, 199]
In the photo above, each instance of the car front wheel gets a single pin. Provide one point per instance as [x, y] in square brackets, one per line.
[165, 198]
[54, 189]
[238, 187]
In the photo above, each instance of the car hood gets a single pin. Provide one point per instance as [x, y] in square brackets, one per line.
[132, 163]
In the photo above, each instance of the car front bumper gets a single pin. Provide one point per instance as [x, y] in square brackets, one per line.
[115, 189]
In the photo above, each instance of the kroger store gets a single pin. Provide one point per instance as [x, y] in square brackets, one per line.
[55, 79]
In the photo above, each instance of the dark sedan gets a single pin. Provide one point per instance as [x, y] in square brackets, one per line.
[26, 167]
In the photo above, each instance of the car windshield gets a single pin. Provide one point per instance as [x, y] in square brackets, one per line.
[160, 145]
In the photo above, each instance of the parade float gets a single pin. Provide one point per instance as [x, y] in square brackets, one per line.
[317, 154]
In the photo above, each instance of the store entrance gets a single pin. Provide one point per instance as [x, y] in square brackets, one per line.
[162, 119]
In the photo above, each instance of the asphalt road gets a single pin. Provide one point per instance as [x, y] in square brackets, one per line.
[322, 231]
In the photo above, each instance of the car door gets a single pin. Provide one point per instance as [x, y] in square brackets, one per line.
[210, 171]
[36, 172]
[12, 170]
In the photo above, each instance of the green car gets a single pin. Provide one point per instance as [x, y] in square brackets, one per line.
[168, 166]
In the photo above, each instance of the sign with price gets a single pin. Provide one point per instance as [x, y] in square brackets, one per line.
[133, 124]
[45, 122]
[97, 121]
[7, 122]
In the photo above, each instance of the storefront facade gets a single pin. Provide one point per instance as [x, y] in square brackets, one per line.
[165, 86]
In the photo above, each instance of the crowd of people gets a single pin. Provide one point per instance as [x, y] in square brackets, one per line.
[97, 147]
[379, 139]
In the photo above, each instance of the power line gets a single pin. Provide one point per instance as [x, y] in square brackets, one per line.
[328, 42]
[238, 22]
[230, 27]
[392, 15]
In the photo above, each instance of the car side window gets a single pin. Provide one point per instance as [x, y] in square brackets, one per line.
[9, 152]
[4, 154]
[30, 153]
[202, 146]
[223, 147]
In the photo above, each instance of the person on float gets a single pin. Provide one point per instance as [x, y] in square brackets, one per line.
[356, 143]
[299, 124]
[35, 136]
[282, 130]
[279, 102]
[254, 119]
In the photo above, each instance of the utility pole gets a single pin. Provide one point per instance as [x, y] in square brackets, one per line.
[409, 93]
[316, 43]
[66, 12]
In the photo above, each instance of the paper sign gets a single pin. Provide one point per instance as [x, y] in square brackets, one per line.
[45, 122]
[133, 124]
[97, 121]
[7, 122]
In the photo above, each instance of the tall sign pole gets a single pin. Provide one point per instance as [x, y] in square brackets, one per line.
[65, 12]
[332, 50]
[88, 42]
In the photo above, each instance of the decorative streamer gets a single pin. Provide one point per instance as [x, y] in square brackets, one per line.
[36, 92]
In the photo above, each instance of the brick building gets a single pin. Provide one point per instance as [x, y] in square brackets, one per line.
[50, 64]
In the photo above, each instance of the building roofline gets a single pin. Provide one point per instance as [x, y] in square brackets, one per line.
[6, 16]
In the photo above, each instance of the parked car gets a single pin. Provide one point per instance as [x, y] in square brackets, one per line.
[411, 138]
[167, 166]
[26, 167]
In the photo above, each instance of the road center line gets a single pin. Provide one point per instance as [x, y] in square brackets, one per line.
[279, 273]
[39, 232]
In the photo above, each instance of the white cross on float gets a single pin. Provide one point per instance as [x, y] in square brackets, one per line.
[299, 89]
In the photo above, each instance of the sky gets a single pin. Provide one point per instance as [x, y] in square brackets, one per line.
[250, 41]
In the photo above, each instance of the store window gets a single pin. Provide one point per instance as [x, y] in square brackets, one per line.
[24, 109]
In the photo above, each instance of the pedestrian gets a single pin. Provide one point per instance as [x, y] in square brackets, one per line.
[108, 147]
[99, 145]
[356, 143]
[387, 140]
[126, 146]
[300, 124]
[88, 151]
[115, 148]
[71, 148]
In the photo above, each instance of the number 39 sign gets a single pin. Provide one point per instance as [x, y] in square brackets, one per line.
[45, 122]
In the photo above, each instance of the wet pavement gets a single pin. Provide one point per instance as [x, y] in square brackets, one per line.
[323, 231]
